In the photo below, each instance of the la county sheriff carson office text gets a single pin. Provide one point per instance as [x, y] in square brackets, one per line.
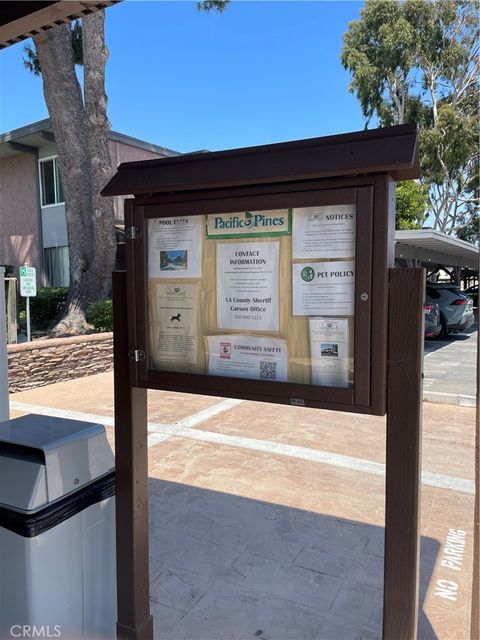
[254, 301]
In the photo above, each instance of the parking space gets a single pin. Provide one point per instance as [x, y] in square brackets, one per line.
[450, 369]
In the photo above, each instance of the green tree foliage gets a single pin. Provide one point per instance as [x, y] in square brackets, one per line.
[471, 231]
[412, 205]
[212, 5]
[418, 61]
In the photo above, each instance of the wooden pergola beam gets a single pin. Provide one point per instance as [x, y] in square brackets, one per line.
[22, 20]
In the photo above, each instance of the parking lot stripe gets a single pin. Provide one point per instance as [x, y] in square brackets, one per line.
[61, 413]
[155, 438]
[209, 412]
[444, 393]
[459, 398]
[160, 432]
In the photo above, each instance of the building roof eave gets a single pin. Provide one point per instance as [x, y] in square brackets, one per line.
[43, 127]
[28, 130]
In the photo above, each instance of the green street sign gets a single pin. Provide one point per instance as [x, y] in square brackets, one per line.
[28, 282]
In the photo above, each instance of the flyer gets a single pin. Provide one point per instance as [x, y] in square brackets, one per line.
[247, 357]
[177, 332]
[329, 352]
[323, 288]
[247, 286]
[324, 232]
[175, 247]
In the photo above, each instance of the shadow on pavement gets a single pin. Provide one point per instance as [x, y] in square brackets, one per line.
[223, 566]
[432, 344]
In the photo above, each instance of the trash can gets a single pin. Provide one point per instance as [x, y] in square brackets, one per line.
[57, 529]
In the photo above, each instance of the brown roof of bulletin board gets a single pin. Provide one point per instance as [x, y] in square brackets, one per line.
[391, 150]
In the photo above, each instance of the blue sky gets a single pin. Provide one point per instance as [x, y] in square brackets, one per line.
[260, 72]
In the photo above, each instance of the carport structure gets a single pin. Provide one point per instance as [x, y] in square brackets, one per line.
[434, 251]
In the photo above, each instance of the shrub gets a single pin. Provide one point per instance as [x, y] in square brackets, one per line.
[44, 307]
[8, 269]
[100, 315]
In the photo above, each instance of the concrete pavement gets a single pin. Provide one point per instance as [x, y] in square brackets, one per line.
[267, 521]
[450, 369]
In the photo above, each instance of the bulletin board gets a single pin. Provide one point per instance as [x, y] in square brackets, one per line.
[264, 297]
[212, 238]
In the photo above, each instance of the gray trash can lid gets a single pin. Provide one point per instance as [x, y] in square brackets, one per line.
[44, 458]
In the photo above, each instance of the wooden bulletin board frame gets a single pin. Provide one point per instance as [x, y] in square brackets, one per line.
[388, 332]
[372, 197]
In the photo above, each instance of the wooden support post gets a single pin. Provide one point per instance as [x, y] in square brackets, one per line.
[134, 621]
[11, 286]
[475, 616]
[403, 456]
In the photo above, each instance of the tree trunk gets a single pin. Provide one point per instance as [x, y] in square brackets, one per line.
[95, 55]
[81, 138]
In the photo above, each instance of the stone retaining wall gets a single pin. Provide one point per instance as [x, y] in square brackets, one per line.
[41, 362]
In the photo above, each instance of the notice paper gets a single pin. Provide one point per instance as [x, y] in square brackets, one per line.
[177, 333]
[329, 351]
[175, 247]
[323, 288]
[247, 286]
[324, 232]
[247, 357]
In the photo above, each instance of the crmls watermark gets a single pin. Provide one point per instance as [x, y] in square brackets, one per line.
[36, 631]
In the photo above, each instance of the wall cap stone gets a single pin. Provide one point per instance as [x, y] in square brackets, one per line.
[58, 342]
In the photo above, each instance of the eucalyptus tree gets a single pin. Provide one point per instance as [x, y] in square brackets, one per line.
[80, 126]
[418, 61]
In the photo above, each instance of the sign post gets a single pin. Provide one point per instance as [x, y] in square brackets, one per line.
[403, 454]
[28, 289]
[4, 406]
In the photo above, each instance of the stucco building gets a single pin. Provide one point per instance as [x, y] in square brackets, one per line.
[32, 209]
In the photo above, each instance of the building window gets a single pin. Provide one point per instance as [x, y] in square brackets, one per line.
[50, 182]
[57, 267]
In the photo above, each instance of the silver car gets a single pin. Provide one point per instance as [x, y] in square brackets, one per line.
[456, 309]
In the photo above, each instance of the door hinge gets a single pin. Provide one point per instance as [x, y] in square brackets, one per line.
[133, 233]
[137, 355]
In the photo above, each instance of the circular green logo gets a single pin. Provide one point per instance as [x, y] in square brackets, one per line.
[307, 274]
